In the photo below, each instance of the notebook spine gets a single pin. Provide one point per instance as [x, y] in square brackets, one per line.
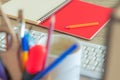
[53, 11]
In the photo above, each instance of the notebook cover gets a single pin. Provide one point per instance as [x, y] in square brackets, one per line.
[77, 12]
[34, 10]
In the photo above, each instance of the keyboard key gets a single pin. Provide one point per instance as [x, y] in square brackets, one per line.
[94, 57]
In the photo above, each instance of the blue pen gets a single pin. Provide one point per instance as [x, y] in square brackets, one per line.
[23, 38]
[56, 62]
[25, 43]
[25, 48]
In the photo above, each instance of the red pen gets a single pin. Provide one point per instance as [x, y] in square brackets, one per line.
[35, 62]
[36, 58]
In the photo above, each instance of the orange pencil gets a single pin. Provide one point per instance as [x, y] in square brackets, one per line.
[83, 25]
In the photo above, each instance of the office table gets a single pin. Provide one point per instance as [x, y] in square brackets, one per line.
[98, 39]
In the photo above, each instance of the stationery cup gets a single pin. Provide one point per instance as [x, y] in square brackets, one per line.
[69, 69]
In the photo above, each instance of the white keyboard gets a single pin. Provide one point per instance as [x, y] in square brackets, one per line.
[92, 60]
[38, 36]
[93, 56]
[2, 41]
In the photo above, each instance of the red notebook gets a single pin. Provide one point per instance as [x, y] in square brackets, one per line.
[78, 12]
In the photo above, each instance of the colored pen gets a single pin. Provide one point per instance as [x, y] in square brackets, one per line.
[35, 62]
[56, 62]
[25, 48]
[82, 25]
[50, 31]
[24, 40]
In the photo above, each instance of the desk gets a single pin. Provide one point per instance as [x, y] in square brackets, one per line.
[98, 39]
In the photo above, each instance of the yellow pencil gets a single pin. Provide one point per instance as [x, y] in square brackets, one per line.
[83, 25]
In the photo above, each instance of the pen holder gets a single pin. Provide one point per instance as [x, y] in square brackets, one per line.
[69, 68]
[58, 73]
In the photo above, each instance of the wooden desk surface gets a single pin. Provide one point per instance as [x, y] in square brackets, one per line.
[98, 39]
